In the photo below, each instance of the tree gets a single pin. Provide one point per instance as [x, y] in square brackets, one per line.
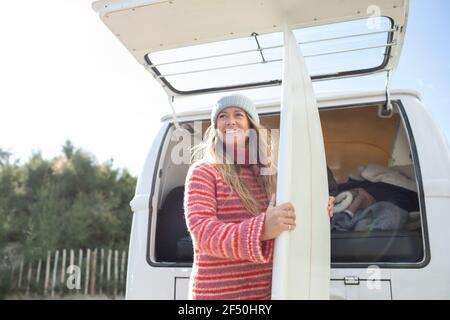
[68, 149]
[70, 201]
[4, 157]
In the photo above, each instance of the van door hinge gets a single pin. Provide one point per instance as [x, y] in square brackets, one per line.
[175, 120]
[386, 110]
[351, 280]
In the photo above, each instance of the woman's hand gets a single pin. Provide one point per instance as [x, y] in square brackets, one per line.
[330, 206]
[278, 219]
[281, 218]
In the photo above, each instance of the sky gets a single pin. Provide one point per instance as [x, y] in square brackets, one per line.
[64, 75]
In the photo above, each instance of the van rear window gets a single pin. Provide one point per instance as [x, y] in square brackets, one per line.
[331, 51]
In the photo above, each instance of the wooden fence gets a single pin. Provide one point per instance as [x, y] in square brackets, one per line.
[89, 272]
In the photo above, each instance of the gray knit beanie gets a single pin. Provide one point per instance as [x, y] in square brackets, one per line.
[236, 100]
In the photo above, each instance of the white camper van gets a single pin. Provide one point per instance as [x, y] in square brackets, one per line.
[195, 47]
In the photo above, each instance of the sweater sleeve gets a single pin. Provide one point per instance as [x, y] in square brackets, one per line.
[235, 241]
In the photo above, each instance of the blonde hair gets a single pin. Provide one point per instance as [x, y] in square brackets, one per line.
[208, 150]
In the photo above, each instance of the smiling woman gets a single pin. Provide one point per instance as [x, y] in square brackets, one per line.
[233, 126]
[228, 213]
[226, 205]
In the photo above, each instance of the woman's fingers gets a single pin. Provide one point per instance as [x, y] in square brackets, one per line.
[287, 210]
[331, 201]
[287, 213]
[286, 206]
[330, 213]
[330, 206]
[288, 224]
[288, 221]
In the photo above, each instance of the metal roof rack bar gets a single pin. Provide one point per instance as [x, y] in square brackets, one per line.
[214, 56]
[275, 60]
[268, 48]
[348, 36]
[350, 50]
[218, 68]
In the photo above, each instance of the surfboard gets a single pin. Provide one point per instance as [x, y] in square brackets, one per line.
[301, 266]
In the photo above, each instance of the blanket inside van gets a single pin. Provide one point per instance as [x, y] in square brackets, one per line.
[381, 216]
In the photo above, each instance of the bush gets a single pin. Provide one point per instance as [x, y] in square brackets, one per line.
[67, 202]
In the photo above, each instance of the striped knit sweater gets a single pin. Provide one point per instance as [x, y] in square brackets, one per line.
[230, 260]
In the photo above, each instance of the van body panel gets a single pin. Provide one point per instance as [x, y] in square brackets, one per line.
[431, 277]
[137, 253]
[431, 145]
[324, 100]
[361, 290]
[432, 281]
[144, 185]
[143, 280]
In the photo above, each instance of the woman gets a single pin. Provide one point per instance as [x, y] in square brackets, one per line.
[227, 209]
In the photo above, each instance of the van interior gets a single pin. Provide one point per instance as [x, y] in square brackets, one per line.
[363, 151]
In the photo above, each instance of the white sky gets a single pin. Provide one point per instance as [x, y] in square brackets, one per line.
[64, 75]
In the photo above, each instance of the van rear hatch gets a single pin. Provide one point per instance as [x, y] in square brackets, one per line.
[199, 46]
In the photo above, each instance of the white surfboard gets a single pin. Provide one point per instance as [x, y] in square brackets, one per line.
[301, 257]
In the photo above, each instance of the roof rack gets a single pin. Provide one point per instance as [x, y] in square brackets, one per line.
[166, 71]
[280, 46]
[393, 43]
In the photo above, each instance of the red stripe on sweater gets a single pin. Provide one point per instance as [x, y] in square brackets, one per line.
[204, 225]
[211, 236]
[264, 253]
[200, 213]
[230, 289]
[226, 195]
[235, 246]
[202, 181]
[241, 295]
[232, 209]
[201, 204]
[203, 193]
[219, 263]
[209, 169]
[259, 297]
[222, 239]
[250, 240]
[234, 275]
